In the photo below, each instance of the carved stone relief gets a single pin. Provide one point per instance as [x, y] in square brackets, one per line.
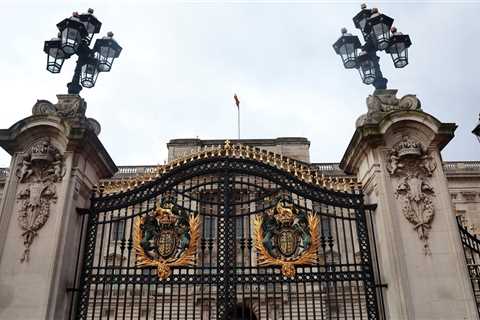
[383, 102]
[39, 171]
[469, 196]
[69, 107]
[412, 166]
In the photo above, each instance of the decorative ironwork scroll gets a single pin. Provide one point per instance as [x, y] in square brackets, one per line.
[165, 238]
[285, 237]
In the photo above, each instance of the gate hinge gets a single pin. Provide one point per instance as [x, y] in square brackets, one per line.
[82, 211]
[371, 207]
[72, 289]
[382, 285]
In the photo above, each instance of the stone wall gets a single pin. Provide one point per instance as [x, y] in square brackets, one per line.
[464, 187]
[293, 147]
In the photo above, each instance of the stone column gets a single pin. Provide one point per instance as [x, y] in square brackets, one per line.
[395, 153]
[56, 159]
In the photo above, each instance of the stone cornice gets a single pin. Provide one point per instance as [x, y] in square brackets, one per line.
[370, 134]
[251, 142]
[65, 120]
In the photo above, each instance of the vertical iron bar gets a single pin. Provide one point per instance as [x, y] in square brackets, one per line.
[367, 269]
[377, 274]
[75, 274]
[88, 256]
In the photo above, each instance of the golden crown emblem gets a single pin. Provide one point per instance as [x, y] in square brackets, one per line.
[284, 215]
[164, 214]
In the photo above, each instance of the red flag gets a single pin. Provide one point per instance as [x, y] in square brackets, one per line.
[237, 102]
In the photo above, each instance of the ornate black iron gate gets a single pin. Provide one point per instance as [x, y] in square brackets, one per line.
[228, 233]
[471, 249]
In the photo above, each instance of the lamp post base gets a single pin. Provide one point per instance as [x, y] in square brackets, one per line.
[74, 88]
[380, 83]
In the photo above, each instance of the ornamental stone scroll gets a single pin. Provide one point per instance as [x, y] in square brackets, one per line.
[412, 166]
[40, 169]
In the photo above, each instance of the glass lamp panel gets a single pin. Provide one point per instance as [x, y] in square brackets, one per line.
[382, 35]
[89, 26]
[398, 49]
[91, 23]
[106, 51]
[367, 71]
[90, 29]
[55, 55]
[70, 40]
[346, 46]
[362, 23]
[89, 74]
[55, 60]
[399, 55]
[378, 30]
[105, 58]
[348, 54]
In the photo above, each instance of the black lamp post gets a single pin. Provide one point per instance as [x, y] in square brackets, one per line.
[379, 35]
[75, 36]
[476, 130]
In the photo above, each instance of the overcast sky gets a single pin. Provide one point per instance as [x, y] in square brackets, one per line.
[182, 62]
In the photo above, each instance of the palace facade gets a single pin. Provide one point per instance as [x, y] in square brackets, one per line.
[240, 229]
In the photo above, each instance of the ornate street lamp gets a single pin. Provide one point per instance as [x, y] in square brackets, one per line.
[55, 55]
[347, 47]
[476, 131]
[379, 35]
[106, 50]
[76, 34]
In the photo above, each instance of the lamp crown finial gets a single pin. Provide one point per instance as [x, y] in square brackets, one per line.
[363, 6]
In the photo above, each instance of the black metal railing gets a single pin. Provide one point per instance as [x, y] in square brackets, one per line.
[471, 248]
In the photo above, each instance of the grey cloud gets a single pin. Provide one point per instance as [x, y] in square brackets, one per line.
[182, 63]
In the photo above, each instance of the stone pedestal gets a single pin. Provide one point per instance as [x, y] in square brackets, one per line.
[395, 153]
[56, 159]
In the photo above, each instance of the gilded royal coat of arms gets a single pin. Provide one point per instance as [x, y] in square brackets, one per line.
[166, 237]
[286, 237]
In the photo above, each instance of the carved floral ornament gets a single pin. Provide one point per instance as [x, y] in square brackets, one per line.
[40, 169]
[411, 164]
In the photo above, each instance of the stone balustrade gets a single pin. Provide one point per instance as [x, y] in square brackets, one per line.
[326, 168]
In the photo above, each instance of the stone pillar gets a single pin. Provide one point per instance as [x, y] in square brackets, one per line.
[56, 159]
[395, 153]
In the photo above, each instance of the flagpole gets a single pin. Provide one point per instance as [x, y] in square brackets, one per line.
[238, 118]
[237, 103]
